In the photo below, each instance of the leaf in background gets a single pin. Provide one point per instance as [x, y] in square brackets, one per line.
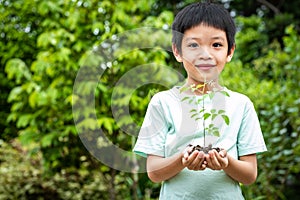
[17, 69]
[48, 139]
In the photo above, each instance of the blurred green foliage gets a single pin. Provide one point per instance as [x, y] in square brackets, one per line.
[45, 43]
[22, 178]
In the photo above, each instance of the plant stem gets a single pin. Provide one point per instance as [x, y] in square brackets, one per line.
[203, 123]
[203, 106]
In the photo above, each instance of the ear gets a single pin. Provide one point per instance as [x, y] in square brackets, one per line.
[231, 52]
[176, 53]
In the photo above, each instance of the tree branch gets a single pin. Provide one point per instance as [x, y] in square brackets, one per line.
[269, 5]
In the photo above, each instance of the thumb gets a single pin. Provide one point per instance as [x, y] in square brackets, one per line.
[223, 153]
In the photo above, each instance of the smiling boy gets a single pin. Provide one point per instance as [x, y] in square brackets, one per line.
[203, 41]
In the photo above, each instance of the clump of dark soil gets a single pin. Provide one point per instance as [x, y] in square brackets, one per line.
[204, 149]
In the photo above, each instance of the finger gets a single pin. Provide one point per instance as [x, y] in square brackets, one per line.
[207, 160]
[203, 163]
[219, 161]
[186, 153]
[199, 163]
[214, 162]
[223, 159]
[196, 163]
[190, 149]
[200, 158]
[184, 160]
[192, 157]
[187, 158]
[203, 167]
[223, 153]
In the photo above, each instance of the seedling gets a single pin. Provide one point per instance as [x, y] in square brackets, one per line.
[205, 114]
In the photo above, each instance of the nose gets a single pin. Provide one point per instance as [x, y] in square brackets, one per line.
[204, 54]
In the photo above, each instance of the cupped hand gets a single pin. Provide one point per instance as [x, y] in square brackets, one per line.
[194, 160]
[217, 160]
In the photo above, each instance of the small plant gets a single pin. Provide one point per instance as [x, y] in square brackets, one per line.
[204, 114]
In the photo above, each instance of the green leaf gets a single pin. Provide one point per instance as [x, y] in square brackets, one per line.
[107, 123]
[206, 115]
[194, 115]
[88, 123]
[28, 136]
[193, 110]
[216, 133]
[45, 39]
[24, 120]
[202, 110]
[213, 116]
[221, 112]
[15, 94]
[226, 119]
[33, 99]
[17, 69]
[211, 95]
[225, 93]
[200, 100]
[47, 140]
[185, 98]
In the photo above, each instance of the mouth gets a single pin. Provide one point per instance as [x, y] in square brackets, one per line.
[204, 66]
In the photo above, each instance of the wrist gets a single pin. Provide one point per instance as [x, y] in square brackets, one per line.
[229, 161]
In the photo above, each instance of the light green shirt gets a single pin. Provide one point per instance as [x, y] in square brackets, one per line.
[168, 128]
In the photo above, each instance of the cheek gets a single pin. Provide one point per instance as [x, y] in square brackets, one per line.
[189, 56]
[222, 57]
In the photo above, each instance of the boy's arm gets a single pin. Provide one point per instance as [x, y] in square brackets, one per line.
[161, 169]
[243, 170]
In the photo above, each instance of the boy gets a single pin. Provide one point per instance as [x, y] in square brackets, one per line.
[203, 41]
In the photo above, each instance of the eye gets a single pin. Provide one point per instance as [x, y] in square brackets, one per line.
[193, 45]
[217, 44]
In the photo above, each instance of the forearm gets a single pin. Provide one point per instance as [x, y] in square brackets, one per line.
[161, 169]
[243, 170]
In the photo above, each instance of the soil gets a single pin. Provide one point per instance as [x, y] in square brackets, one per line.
[204, 149]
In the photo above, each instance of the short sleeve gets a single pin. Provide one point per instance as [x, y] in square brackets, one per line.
[250, 137]
[152, 134]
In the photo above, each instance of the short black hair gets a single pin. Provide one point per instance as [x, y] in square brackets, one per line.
[209, 14]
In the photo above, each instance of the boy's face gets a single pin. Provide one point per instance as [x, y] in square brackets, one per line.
[204, 53]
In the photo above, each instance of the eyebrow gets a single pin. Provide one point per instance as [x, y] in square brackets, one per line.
[213, 38]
